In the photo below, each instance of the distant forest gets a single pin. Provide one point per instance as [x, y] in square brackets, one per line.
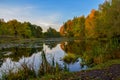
[101, 23]
[14, 28]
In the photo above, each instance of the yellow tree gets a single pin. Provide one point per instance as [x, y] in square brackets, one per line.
[90, 24]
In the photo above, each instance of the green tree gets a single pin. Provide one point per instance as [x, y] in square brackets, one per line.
[51, 33]
[14, 26]
[18, 29]
[36, 31]
[109, 19]
[79, 27]
[74, 28]
[25, 31]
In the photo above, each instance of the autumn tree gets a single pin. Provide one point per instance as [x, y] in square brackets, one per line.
[101, 23]
[90, 24]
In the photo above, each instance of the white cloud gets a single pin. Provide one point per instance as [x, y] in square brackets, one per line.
[14, 12]
[31, 14]
[51, 20]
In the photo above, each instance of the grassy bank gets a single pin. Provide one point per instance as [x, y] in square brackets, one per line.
[105, 64]
[75, 75]
[54, 73]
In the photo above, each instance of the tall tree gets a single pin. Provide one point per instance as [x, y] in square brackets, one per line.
[14, 27]
[74, 28]
[90, 24]
[109, 19]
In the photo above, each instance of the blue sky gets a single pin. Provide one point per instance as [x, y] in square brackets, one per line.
[46, 13]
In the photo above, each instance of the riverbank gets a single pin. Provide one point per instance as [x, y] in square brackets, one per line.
[106, 71]
[109, 70]
[6, 42]
[17, 39]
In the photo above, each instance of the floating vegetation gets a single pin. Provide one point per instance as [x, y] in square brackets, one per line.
[70, 58]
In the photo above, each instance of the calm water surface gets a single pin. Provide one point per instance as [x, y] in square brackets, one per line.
[15, 54]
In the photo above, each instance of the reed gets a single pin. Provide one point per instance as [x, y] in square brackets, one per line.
[26, 72]
[101, 52]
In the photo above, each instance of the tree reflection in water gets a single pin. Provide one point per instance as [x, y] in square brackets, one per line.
[93, 51]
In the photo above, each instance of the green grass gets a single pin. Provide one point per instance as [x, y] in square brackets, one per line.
[105, 64]
[58, 76]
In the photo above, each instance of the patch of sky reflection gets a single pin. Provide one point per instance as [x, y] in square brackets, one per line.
[36, 59]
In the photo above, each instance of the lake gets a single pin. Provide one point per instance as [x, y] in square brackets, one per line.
[76, 55]
[12, 55]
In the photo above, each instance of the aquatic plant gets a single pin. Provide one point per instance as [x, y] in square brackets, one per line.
[26, 71]
[70, 58]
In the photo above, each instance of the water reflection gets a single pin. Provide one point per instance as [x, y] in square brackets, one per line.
[89, 52]
[75, 47]
[15, 53]
[51, 44]
[93, 51]
[30, 54]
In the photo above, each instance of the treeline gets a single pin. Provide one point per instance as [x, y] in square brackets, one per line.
[15, 28]
[50, 33]
[101, 23]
